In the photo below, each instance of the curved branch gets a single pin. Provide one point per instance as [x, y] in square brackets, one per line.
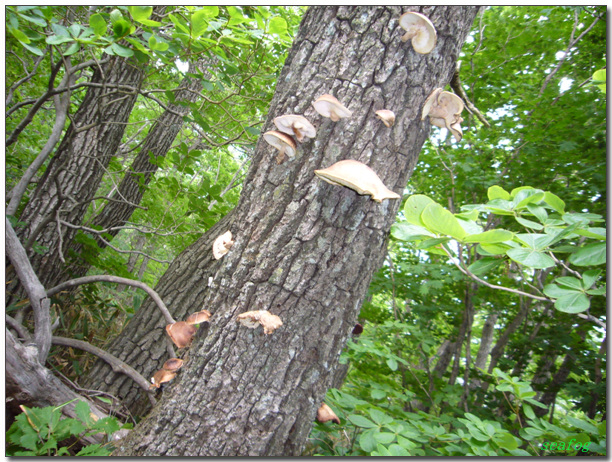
[35, 290]
[115, 363]
[105, 278]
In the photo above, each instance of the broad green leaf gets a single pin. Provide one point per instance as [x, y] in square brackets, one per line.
[555, 202]
[570, 282]
[407, 232]
[531, 258]
[140, 12]
[199, 23]
[428, 243]
[392, 363]
[492, 236]
[98, 24]
[528, 410]
[497, 192]
[361, 421]
[384, 437]
[527, 196]
[122, 51]
[575, 303]
[535, 241]
[19, 35]
[529, 224]
[395, 450]
[493, 249]
[594, 233]
[115, 16]
[554, 291]
[367, 441]
[82, 410]
[72, 49]
[599, 291]
[590, 277]
[413, 208]
[380, 417]
[469, 226]
[438, 219]
[58, 39]
[583, 425]
[484, 265]
[278, 26]
[590, 255]
[378, 394]
[538, 212]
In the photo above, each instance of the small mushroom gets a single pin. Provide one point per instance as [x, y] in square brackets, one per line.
[161, 376]
[252, 319]
[282, 142]
[420, 29]
[358, 176]
[325, 414]
[444, 110]
[328, 106]
[358, 329]
[297, 125]
[199, 317]
[387, 116]
[181, 333]
[222, 245]
[173, 364]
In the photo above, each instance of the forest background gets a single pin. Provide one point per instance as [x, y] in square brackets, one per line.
[484, 332]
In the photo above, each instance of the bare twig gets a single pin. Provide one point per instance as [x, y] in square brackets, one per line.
[35, 290]
[105, 278]
[115, 363]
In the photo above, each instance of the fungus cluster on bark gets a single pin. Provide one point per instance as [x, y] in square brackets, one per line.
[166, 373]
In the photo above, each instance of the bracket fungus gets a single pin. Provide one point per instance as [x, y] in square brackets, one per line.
[199, 317]
[357, 176]
[222, 245]
[325, 414]
[444, 110]
[181, 333]
[284, 143]
[173, 364]
[161, 376]
[328, 106]
[297, 125]
[387, 116]
[252, 319]
[420, 29]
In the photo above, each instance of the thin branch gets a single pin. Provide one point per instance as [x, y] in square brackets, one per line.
[35, 290]
[115, 363]
[18, 327]
[105, 278]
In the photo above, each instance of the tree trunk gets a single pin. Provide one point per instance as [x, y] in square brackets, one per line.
[156, 144]
[304, 249]
[77, 167]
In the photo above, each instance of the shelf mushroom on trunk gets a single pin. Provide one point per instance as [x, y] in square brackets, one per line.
[328, 106]
[293, 124]
[357, 176]
[284, 143]
[444, 110]
[420, 29]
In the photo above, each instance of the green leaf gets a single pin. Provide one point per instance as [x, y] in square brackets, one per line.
[593, 233]
[367, 441]
[37, 51]
[395, 450]
[554, 291]
[23, 38]
[497, 192]
[199, 23]
[121, 50]
[484, 265]
[590, 255]
[392, 363]
[438, 219]
[492, 249]
[93, 450]
[555, 202]
[384, 437]
[72, 49]
[528, 410]
[570, 282]
[140, 12]
[538, 212]
[531, 258]
[361, 421]
[413, 208]
[583, 425]
[98, 24]
[82, 410]
[574, 303]
[493, 236]
[278, 26]
[529, 223]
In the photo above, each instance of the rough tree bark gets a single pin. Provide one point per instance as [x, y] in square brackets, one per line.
[304, 249]
[77, 167]
[133, 185]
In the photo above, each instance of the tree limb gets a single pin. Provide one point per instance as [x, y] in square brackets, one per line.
[35, 290]
[105, 278]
